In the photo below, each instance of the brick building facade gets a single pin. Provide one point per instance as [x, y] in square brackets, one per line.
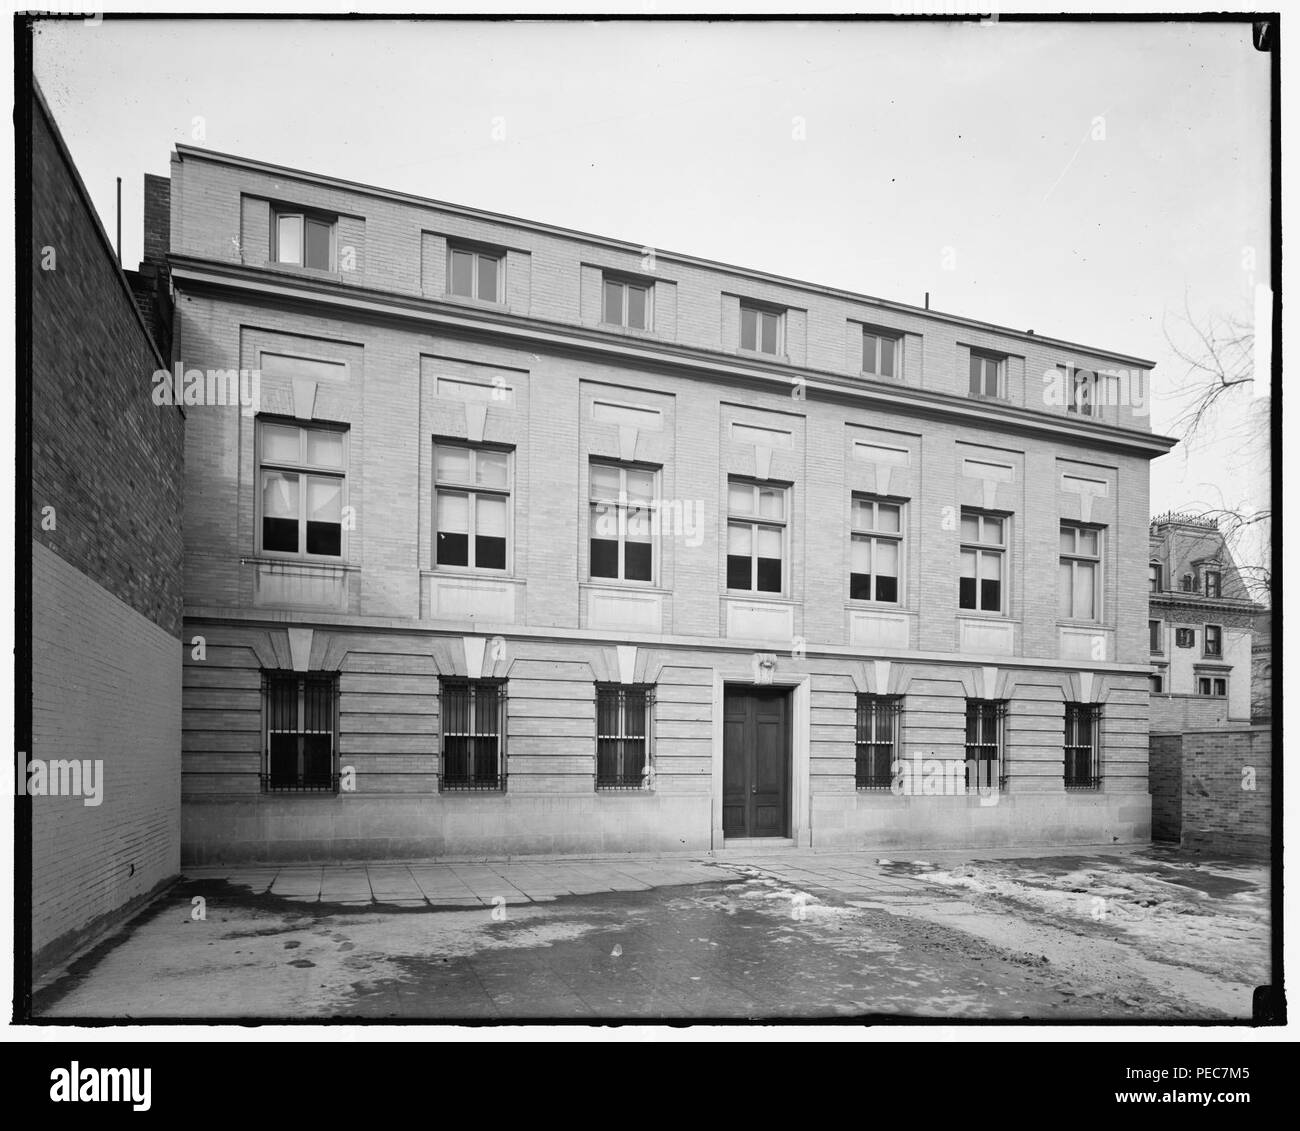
[106, 562]
[536, 541]
[1202, 626]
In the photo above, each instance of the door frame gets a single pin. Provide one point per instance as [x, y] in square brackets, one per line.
[799, 688]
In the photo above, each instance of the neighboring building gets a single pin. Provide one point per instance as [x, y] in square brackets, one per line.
[103, 798]
[537, 541]
[1261, 669]
[1201, 626]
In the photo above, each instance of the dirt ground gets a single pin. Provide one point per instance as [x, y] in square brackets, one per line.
[1096, 934]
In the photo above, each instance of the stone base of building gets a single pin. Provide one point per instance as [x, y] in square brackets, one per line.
[284, 829]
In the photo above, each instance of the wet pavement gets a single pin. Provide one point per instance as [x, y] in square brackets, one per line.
[1106, 934]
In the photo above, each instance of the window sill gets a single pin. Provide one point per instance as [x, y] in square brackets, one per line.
[759, 355]
[475, 303]
[303, 563]
[472, 572]
[623, 586]
[757, 595]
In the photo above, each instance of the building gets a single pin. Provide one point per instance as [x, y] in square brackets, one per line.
[520, 539]
[100, 804]
[1201, 625]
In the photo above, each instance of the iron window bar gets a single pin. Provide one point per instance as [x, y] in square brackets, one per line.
[986, 744]
[624, 736]
[876, 746]
[1082, 746]
[473, 718]
[300, 733]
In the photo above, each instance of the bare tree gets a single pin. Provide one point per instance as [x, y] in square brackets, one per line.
[1219, 352]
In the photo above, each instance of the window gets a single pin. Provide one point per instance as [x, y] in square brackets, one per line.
[1079, 595]
[301, 720]
[1157, 684]
[473, 734]
[471, 506]
[1157, 644]
[985, 765]
[983, 561]
[623, 747]
[1082, 755]
[1213, 640]
[876, 550]
[1208, 685]
[303, 240]
[987, 374]
[302, 485]
[1080, 391]
[1188, 583]
[626, 304]
[755, 536]
[1185, 637]
[1155, 577]
[761, 329]
[877, 741]
[622, 503]
[881, 353]
[472, 273]
[1213, 583]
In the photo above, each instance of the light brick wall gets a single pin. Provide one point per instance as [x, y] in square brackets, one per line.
[106, 686]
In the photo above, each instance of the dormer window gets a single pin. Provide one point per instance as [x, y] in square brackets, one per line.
[1213, 583]
[303, 239]
[1155, 576]
[761, 329]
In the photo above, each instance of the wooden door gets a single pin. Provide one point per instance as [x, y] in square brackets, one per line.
[756, 763]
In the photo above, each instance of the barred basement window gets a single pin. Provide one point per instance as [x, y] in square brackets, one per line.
[301, 720]
[624, 745]
[1082, 752]
[473, 735]
[877, 741]
[985, 737]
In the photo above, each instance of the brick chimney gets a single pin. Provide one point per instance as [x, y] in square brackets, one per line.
[149, 285]
[157, 218]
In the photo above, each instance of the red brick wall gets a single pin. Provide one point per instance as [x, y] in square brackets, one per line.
[1228, 789]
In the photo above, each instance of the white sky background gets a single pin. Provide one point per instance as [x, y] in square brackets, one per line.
[920, 138]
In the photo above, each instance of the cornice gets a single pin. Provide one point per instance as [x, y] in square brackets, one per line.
[371, 305]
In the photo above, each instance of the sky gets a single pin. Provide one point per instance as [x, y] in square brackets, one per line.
[1092, 182]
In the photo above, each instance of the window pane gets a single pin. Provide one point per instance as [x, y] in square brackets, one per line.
[279, 495]
[887, 357]
[769, 542]
[976, 375]
[886, 588]
[613, 303]
[888, 516]
[318, 245]
[869, 344]
[487, 278]
[990, 595]
[636, 307]
[640, 486]
[769, 333]
[968, 563]
[887, 558]
[740, 498]
[993, 531]
[280, 512]
[769, 575]
[861, 514]
[739, 572]
[860, 555]
[490, 468]
[1067, 539]
[991, 566]
[324, 516]
[970, 528]
[771, 502]
[638, 559]
[1085, 584]
[281, 443]
[490, 516]
[604, 521]
[638, 524]
[451, 464]
[1065, 592]
[740, 539]
[462, 273]
[452, 519]
[748, 328]
[1088, 542]
[966, 592]
[604, 481]
[289, 239]
[604, 549]
[324, 449]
